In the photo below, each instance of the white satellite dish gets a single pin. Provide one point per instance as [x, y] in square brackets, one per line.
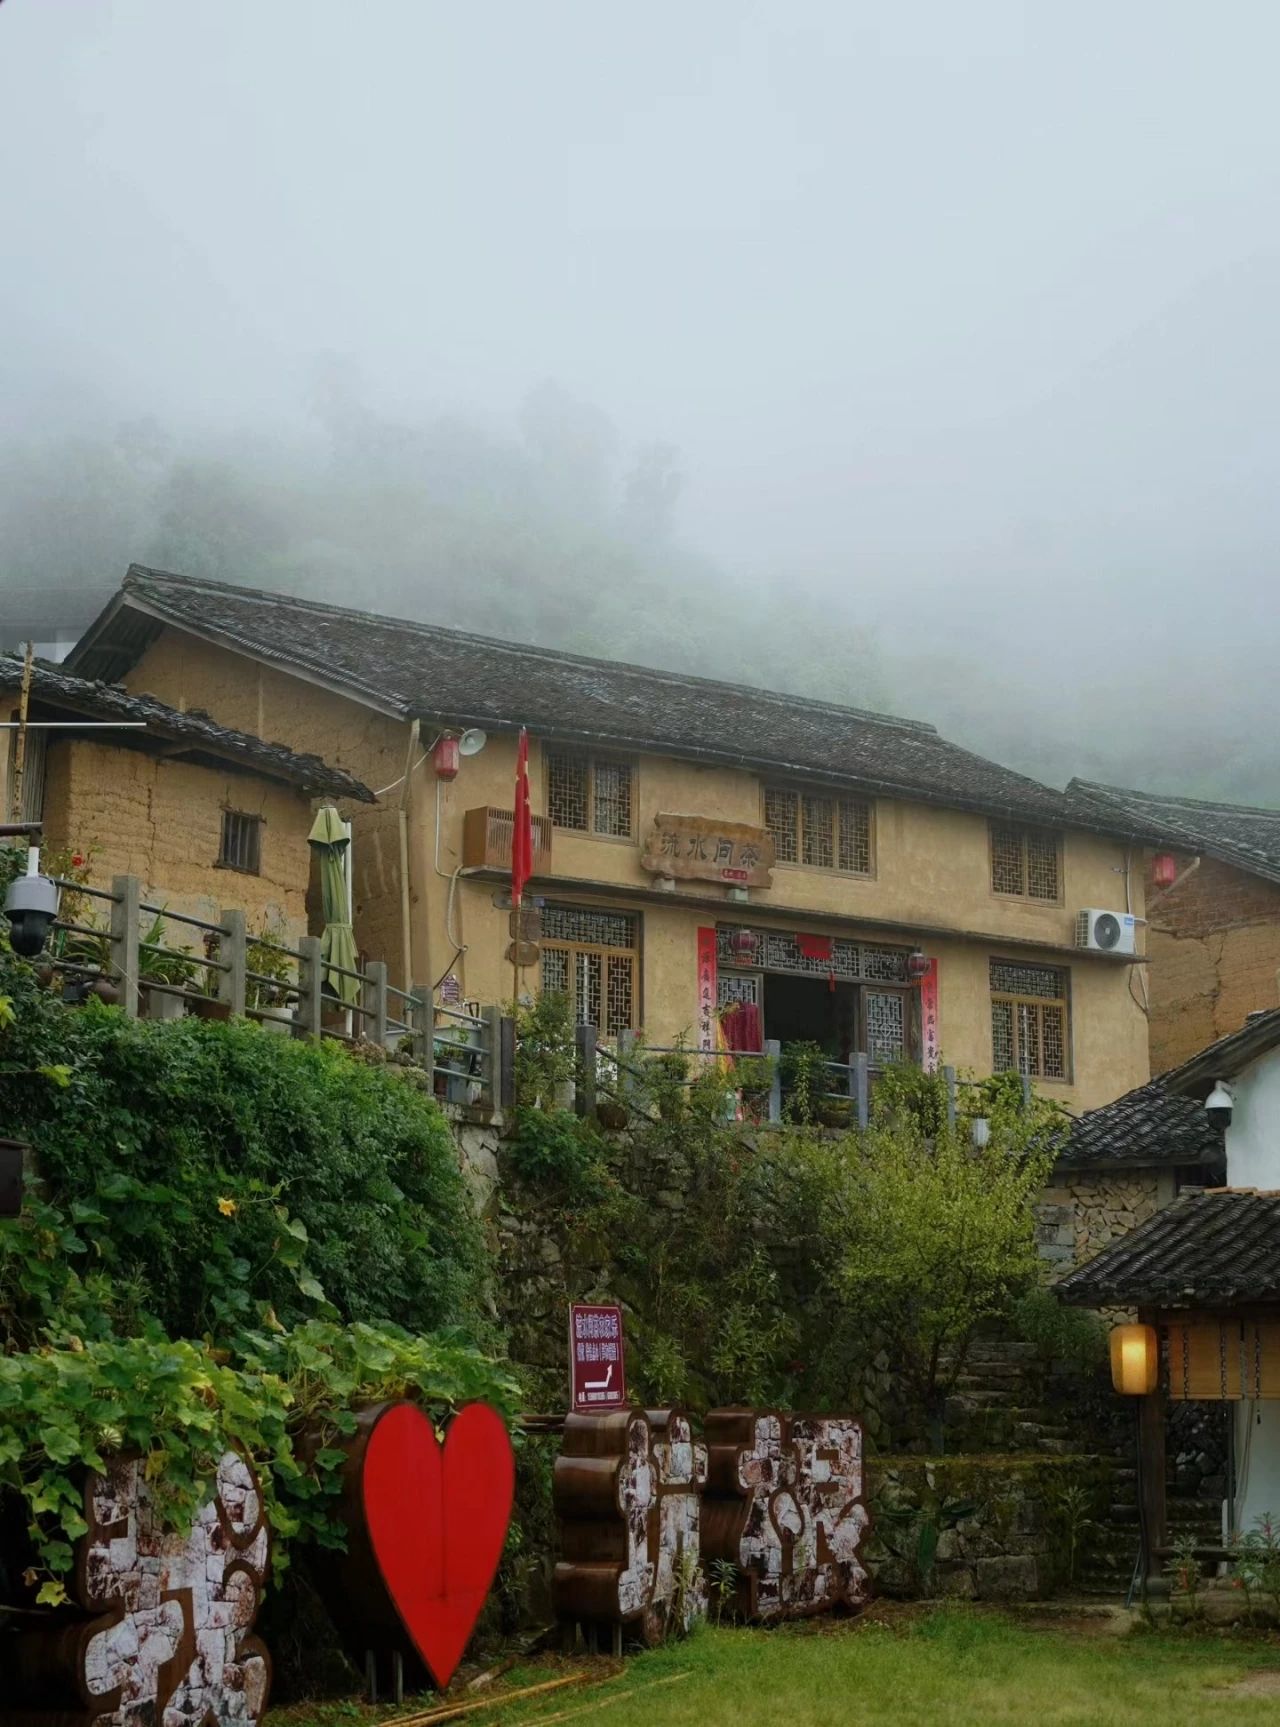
[472, 742]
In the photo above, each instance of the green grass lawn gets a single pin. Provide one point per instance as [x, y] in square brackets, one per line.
[946, 1669]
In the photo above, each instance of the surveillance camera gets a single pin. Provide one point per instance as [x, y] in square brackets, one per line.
[30, 905]
[1218, 1105]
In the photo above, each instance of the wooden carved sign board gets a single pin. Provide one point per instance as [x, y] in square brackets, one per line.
[698, 848]
[627, 1490]
[426, 1525]
[785, 1507]
[171, 1642]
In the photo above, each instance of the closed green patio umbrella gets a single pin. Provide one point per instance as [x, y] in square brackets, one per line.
[337, 944]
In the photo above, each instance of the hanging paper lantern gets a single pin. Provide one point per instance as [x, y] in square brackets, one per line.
[744, 944]
[917, 965]
[1164, 869]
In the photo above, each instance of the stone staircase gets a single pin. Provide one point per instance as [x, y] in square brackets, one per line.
[1008, 1399]
[1000, 1402]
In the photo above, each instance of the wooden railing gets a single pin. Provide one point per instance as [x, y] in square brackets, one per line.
[235, 972]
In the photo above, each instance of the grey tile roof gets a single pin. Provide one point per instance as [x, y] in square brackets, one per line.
[66, 695]
[420, 670]
[1220, 1248]
[1149, 1126]
[1233, 833]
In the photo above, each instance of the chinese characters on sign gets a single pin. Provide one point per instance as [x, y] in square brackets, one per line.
[697, 848]
[597, 1369]
[707, 986]
[929, 1046]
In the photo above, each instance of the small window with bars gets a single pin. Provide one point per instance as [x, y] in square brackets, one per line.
[820, 830]
[592, 958]
[241, 845]
[1024, 862]
[1030, 1027]
[589, 793]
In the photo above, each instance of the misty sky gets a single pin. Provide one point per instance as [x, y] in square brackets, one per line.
[964, 312]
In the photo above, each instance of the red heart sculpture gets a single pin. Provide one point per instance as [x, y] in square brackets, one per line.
[437, 1520]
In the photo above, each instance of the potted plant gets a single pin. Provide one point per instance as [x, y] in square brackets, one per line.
[163, 965]
[268, 992]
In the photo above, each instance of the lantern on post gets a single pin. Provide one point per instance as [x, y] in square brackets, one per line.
[1135, 1359]
[1164, 870]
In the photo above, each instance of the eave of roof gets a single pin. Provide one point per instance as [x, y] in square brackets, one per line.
[1258, 1036]
[616, 704]
[1148, 1127]
[1215, 1249]
[200, 736]
[1192, 825]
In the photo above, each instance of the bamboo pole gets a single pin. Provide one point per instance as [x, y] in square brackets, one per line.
[450, 1710]
[607, 1702]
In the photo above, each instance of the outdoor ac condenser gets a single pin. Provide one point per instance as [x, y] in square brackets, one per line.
[1107, 931]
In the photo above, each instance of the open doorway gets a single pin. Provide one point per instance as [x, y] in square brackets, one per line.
[808, 1010]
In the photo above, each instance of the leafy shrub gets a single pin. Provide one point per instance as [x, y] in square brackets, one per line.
[224, 1172]
[1068, 1335]
[281, 1400]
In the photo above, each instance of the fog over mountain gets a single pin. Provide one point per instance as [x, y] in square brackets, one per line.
[917, 357]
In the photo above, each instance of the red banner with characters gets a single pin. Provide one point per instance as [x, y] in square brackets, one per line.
[706, 989]
[929, 1041]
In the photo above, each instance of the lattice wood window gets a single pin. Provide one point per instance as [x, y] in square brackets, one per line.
[589, 793]
[1029, 1020]
[592, 957]
[820, 830]
[241, 845]
[1024, 861]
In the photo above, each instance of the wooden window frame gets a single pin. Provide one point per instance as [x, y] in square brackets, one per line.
[835, 798]
[1018, 1001]
[254, 826]
[1025, 831]
[572, 949]
[591, 760]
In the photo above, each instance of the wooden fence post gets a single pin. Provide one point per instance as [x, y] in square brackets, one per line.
[773, 1053]
[233, 952]
[125, 920]
[310, 974]
[422, 1024]
[375, 1000]
[584, 1094]
[860, 1078]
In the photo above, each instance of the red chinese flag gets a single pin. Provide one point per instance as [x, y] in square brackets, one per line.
[522, 830]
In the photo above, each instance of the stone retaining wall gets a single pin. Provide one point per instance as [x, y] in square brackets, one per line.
[1013, 1545]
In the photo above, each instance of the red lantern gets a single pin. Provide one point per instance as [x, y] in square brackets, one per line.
[446, 758]
[1164, 869]
[743, 946]
[917, 965]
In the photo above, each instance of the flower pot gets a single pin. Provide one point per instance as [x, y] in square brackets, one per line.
[12, 1159]
[105, 990]
[204, 1007]
[161, 1004]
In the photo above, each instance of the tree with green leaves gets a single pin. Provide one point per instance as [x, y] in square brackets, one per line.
[940, 1232]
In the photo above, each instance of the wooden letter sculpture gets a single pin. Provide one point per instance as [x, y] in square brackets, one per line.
[784, 1506]
[628, 1494]
[425, 1529]
[171, 1647]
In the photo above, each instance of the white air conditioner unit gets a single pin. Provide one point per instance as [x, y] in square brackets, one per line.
[1106, 931]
